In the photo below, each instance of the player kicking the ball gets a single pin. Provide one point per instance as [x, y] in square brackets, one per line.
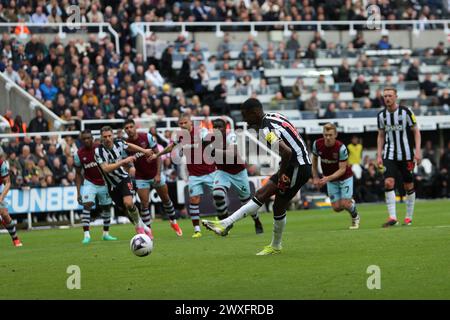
[397, 129]
[93, 187]
[337, 174]
[294, 172]
[148, 174]
[5, 218]
[230, 172]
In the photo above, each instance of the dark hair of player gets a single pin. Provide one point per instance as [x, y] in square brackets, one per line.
[251, 104]
[128, 121]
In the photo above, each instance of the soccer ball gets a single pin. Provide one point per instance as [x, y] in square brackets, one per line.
[141, 245]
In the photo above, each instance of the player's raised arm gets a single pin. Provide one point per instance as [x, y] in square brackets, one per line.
[137, 148]
[166, 150]
[110, 167]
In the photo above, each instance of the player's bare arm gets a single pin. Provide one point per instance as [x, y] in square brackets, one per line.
[418, 142]
[315, 171]
[166, 150]
[7, 186]
[380, 144]
[78, 182]
[136, 148]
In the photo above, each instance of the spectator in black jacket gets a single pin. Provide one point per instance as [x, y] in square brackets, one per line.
[428, 86]
[343, 74]
[413, 71]
[361, 87]
[38, 124]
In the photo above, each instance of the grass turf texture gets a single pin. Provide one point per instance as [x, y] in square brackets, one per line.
[321, 259]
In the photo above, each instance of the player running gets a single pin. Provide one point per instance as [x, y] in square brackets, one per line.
[111, 158]
[193, 141]
[148, 174]
[231, 172]
[337, 174]
[395, 152]
[5, 218]
[88, 175]
[294, 172]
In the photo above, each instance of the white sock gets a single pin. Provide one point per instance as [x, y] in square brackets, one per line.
[390, 202]
[87, 234]
[106, 233]
[250, 207]
[410, 199]
[278, 228]
[197, 229]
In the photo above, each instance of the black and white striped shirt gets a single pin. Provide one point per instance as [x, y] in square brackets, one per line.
[116, 153]
[398, 138]
[276, 126]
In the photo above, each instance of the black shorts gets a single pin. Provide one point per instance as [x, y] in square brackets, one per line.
[393, 168]
[299, 175]
[123, 189]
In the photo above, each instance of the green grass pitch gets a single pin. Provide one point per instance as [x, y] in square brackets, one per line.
[321, 259]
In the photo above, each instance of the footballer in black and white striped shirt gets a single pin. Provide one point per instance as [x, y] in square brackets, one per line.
[111, 159]
[398, 150]
[294, 172]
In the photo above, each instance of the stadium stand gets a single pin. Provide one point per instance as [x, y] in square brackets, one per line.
[153, 71]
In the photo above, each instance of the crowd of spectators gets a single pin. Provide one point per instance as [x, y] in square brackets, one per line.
[88, 79]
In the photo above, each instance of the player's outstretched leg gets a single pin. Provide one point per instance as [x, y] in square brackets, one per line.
[219, 227]
[106, 216]
[85, 221]
[255, 216]
[10, 225]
